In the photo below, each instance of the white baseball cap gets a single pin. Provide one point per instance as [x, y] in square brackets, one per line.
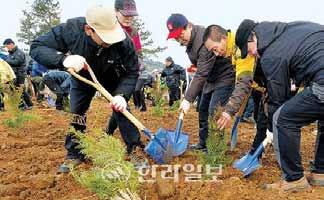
[104, 21]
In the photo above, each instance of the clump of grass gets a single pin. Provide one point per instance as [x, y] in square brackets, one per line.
[110, 175]
[175, 106]
[66, 104]
[12, 102]
[158, 110]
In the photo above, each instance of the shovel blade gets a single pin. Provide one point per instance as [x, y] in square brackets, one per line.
[180, 144]
[247, 164]
[160, 147]
[243, 162]
[254, 165]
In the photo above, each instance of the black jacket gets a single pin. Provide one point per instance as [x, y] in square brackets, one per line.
[116, 67]
[17, 60]
[173, 74]
[289, 51]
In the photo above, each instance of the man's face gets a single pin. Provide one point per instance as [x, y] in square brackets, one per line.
[185, 36]
[10, 47]
[253, 46]
[218, 48]
[168, 63]
[124, 20]
[95, 37]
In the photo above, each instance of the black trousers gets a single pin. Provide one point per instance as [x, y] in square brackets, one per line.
[261, 121]
[56, 88]
[80, 99]
[174, 95]
[301, 110]
[25, 97]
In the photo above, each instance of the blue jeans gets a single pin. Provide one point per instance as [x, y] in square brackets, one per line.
[301, 110]
[208, 104]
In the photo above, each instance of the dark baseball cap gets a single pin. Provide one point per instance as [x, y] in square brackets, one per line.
[126, 7]
[176, 23]
[242, 36]
[8, 41]
[169, 59]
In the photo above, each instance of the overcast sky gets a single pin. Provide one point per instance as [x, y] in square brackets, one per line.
[203, 12]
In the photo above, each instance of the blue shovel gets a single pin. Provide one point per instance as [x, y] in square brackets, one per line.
[160, 145]
[249, 163]
[180, 139]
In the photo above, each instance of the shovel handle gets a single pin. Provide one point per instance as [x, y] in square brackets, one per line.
[244, 104]
[106, 94]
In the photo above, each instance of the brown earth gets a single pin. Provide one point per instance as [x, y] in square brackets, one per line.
[29, 158]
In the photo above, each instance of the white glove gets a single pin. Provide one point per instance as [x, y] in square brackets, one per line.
[269, 138]
[75, 62]
[118, 103]
[185, 106]
[293, 87]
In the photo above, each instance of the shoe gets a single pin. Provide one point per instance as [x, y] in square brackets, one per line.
[284, 186]
[315, 179]
[108, 132]
[23, 108]
[198, 147]
[68, 165]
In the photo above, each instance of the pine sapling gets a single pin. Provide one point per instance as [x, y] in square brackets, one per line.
[110, 175]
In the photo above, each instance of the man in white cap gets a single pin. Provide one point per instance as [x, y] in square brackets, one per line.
[98, 40]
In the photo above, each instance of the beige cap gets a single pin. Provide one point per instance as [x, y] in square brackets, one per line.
[104, 21]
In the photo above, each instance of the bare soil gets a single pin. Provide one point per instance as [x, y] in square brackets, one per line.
[29, 157]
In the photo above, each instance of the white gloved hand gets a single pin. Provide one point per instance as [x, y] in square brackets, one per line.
[269, 138]
[293, 87]
[185, 106]
[118, 103]
[75, 62]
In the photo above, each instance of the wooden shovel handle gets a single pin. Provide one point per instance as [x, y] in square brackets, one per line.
[106, 94]
[244, 104]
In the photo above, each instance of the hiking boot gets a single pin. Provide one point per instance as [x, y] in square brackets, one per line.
[293, 186]
[198, 147]
[315, 179]
[68, 165]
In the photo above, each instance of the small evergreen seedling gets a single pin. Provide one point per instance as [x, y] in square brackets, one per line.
[110, 174]
[216, 146]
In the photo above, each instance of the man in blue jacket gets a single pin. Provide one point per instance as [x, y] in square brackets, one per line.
[288, 51]
[99, 41]
[60, 83]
